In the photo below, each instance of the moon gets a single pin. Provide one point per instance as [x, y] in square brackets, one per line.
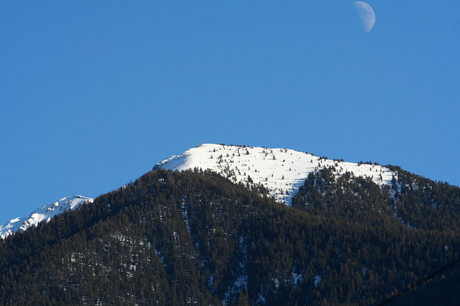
[366, 15]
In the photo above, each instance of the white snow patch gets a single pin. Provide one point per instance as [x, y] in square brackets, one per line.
[45, 212]
[281, 171]
[260, 298]
[241, 282]
[160, 257]
[317, 281]
[409, 226]
[296, 278]
[184, 211]
[11, 227]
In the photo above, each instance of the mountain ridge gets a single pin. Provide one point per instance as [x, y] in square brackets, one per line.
[43, 213]
[195, 236]
[281, 171]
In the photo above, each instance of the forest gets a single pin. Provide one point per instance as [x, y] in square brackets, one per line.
[195, 237]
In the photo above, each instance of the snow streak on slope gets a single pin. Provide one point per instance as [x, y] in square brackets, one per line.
[43, 213]
[281, 171]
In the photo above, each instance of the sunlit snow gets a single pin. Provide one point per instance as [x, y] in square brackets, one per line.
[281, 171]
[317, 281]
[45, 212]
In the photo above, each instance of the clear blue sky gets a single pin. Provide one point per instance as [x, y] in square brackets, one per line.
[94, 93]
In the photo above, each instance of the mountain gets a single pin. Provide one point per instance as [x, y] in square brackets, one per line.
[44, 213]
[281, 171]
[211, 234]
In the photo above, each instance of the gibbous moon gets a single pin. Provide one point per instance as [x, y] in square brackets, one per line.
[366, 15]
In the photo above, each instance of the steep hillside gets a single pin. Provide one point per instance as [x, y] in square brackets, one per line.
[194, 237]
[281, 171]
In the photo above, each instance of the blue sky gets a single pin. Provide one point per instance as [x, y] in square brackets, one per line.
[94, 93]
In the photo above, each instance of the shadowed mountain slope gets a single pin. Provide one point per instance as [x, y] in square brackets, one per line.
[195, 237]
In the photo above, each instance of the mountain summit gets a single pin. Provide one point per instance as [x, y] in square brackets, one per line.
[280, 171]
[214, 232]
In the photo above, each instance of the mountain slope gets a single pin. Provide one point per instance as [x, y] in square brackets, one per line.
[348, 235]
[45, 212]
[281, 171]
[193, 237]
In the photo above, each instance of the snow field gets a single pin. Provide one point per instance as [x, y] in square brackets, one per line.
[45, 212]
[281, 171]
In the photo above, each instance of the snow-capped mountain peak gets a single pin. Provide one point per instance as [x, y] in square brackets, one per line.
[45, 212]
[281, 171]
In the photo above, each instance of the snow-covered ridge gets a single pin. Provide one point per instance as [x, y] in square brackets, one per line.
[281, 171]
[45, 212]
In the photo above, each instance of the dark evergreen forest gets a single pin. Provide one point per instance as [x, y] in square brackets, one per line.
[194, 237]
